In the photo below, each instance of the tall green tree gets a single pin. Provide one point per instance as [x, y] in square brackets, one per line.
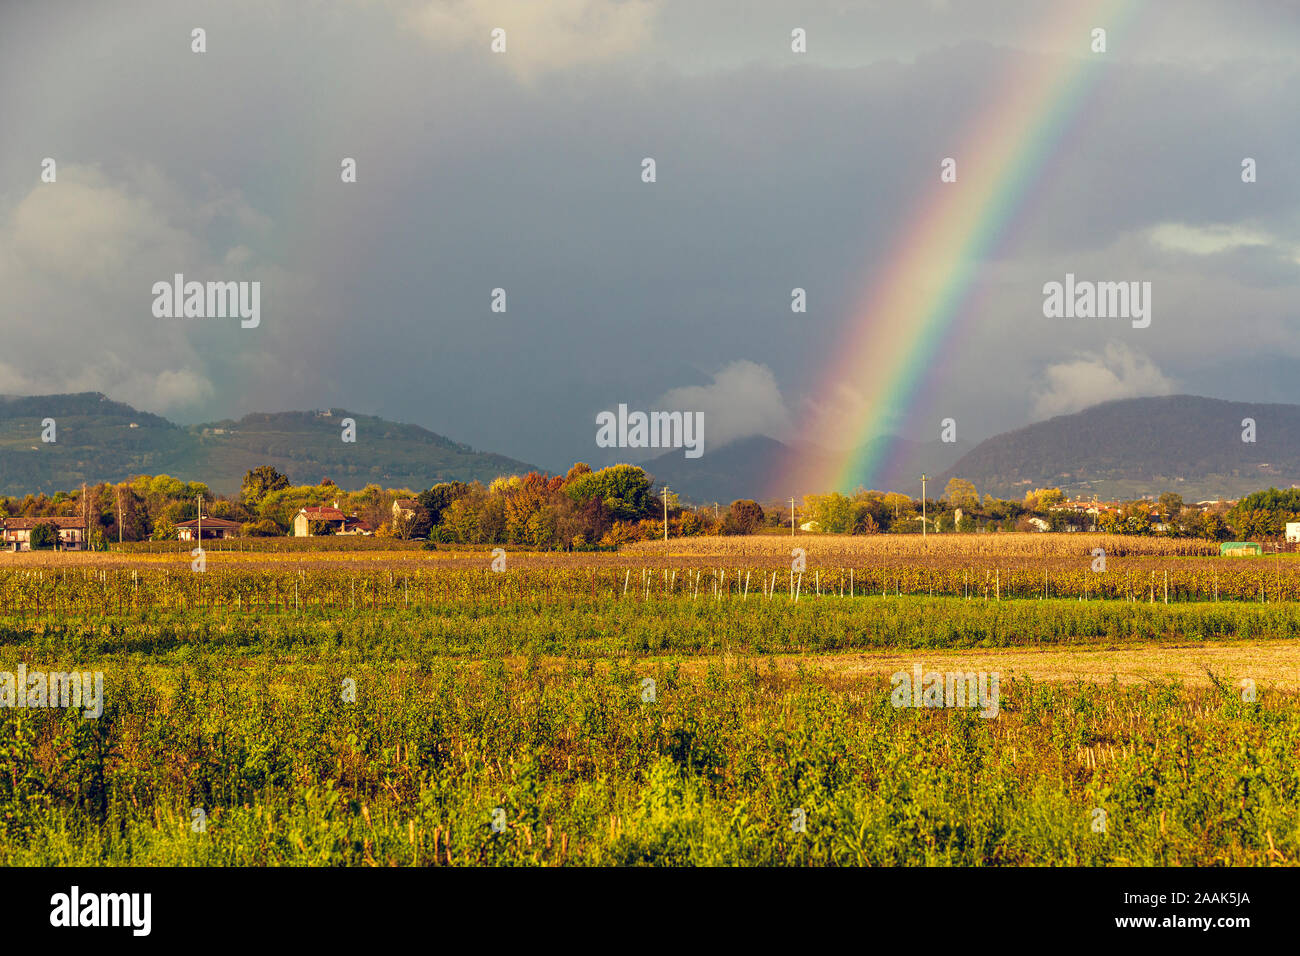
[260, 482]
[623, 489]
[43, 535]
[833, 513]
[439, 498]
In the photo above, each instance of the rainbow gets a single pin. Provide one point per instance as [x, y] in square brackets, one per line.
[919, 292]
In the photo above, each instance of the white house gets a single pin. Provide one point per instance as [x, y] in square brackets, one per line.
[16, 533]
[1293, 531]
[212, 528]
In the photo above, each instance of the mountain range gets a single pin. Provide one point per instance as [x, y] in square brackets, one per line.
[1120, 449]
[97, 439]
[1144, 446]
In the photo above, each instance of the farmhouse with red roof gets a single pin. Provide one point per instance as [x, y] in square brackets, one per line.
[342, 524]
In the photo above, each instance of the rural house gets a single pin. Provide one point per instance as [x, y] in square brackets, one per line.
[16, 533]
[212, 528]
[341, 523]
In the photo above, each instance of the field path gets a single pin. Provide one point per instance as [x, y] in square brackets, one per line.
[1271, 664]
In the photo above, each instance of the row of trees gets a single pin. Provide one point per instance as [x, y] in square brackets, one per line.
[602, 508]
[150, 506]
[1265, 514]
[584, 508]
[131, 510]
[581, 509]
[961, 508]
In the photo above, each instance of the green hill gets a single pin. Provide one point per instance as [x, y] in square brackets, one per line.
[1143, 446]
[101, 440]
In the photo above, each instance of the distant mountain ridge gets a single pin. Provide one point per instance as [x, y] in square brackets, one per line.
[97, 439]
[1131, 447]
[1120, 449]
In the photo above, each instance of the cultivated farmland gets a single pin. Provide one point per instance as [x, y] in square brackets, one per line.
[657, 705]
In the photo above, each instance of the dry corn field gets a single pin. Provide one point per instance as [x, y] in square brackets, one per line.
[995, 567]
[888, 547]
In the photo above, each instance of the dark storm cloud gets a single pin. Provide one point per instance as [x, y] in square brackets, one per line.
[479, 171]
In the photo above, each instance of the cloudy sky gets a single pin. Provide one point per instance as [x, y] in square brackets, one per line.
[522, 171]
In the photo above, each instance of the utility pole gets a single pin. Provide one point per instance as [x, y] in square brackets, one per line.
[665, 514]
[923, 506]
[85, 519]
[792, 517]
[119, 515]
[200, 501]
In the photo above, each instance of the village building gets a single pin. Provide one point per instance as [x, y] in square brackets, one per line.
[341, 523]
[16, 533]
[1080, 515]
[213, 528]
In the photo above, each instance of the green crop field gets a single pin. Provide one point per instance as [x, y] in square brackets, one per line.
[409, 709]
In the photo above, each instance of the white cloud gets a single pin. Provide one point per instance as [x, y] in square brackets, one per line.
[557, 34]
[1206, 240]
[170, 388]
[78, 259]
[85, 230]
[160, 392]
[743, 400]
[1090, 378]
